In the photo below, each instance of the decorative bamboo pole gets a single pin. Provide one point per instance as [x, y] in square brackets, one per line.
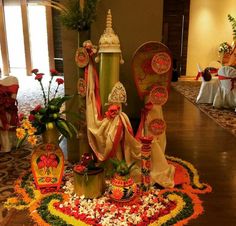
[146, 162]
[110, 59]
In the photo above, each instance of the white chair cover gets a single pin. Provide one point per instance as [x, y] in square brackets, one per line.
[7, 136]
[226, 93]
[207, 91]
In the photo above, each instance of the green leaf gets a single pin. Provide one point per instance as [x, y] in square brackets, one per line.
[63, 127]
[72, 128]
[20, 142]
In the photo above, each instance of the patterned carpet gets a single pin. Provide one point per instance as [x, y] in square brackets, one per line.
[226, 118]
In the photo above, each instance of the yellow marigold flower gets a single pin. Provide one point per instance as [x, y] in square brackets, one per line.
[31, 130]
[20, 133]
[32, 140]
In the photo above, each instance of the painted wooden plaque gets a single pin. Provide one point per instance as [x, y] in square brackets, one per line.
[157, 127]
[81, 57]
[158, 95]
[47, 164]
[151, 66]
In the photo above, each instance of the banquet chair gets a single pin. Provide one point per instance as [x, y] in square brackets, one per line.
[207, 90]
[226, 93]
[8, 112]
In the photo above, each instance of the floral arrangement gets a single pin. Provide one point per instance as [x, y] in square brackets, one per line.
[86, 163]
[224, 47]
[49, 115]
[232, 20]
[25, 131]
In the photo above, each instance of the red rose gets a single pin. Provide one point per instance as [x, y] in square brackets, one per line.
[53, 72]
[39, 76]
[79, 168]
[35, 71]
[59, 81]
[113, 111]
[38, 108]
[31, 117]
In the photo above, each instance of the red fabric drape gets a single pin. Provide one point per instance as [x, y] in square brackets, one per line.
[8, 105]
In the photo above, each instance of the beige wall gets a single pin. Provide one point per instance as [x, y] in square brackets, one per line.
[135, 22]
[208, 27]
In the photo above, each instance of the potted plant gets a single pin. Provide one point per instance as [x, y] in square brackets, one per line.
[122, 187]
[88, 177]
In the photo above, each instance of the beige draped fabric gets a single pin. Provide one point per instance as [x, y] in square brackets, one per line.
[103, 133]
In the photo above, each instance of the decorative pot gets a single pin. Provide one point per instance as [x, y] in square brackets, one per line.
[47, 164]
[122, 189]
[91, 184]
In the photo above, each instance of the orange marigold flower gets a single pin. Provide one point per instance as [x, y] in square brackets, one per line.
[20, 133]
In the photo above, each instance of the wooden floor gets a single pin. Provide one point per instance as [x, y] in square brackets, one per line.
[194, 137]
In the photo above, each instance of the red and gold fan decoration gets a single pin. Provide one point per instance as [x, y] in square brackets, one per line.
[151, 66]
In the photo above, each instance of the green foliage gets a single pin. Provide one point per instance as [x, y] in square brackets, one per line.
[75, 19]
[232, 20]
[46, 215]
[120, 167]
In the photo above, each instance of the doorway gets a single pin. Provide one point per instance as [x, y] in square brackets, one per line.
[175, 31]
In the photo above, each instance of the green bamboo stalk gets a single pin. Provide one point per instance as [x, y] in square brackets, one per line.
[108, 75]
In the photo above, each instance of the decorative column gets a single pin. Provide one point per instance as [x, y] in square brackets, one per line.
[110, 59]
[145, 162]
